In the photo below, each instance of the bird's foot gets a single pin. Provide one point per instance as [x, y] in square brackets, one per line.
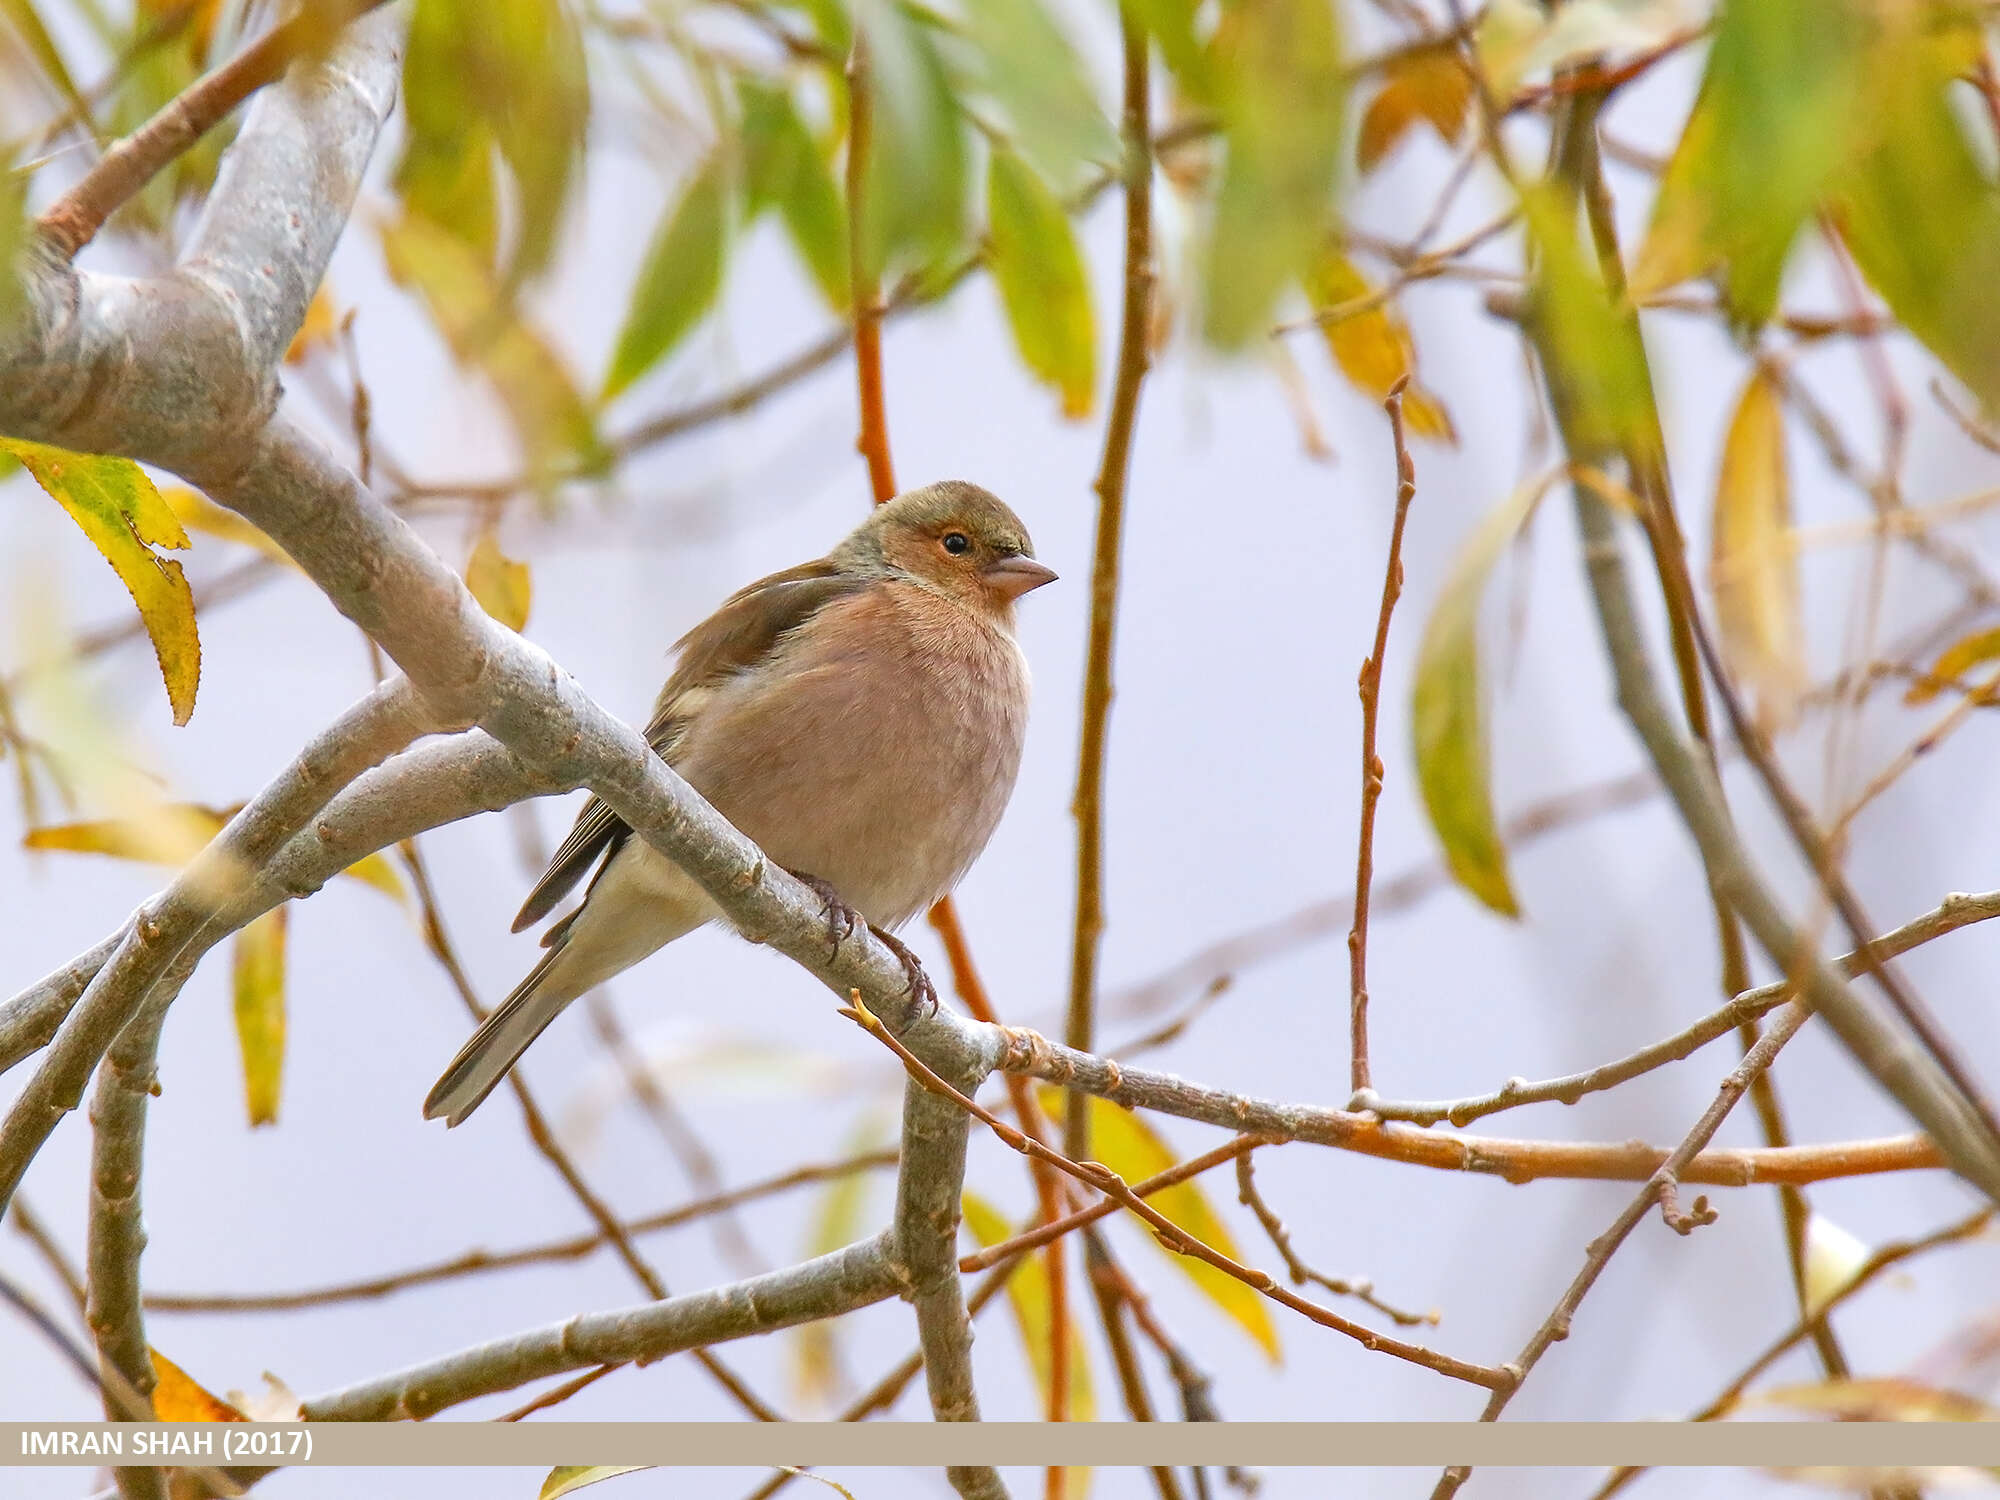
[842, 920]
[919, 987]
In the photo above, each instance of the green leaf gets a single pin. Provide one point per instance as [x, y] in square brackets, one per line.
[1025, 62]
[916, 171]
[14, 236]
[1776, 114]
[1043, 285]
[1920, 212]
[830, 22]
[1282, 100]
[505, 75]
[1129, 1146]
[784, 166]
[1594, 358]
[549, 417]
[1171, 25]
[260, 1012]
[1029, 1299]
[680, 278]
[1447, 718]
[453, 180]
[567, 1481]
[125, 518]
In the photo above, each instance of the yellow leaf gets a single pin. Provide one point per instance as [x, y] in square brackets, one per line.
[1753, 564]
[1426, 83]
[567, 1481]
[177, 1398]
[1969, 651]
[1884, 1400]
[125, 518]
[375, 869]
[197, 512]
[1833, 1257]
[1373, 346]
[1124, 1142]
[484, 332]
[838, 1220]
[500, 584]
[171, 833]
[260, 1013]
[1029, 1299]
[318, 328]
[1447, 714]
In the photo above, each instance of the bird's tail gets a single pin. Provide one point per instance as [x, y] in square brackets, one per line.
[498, 1044]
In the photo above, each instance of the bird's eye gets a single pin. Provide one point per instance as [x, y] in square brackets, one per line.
[956, 543]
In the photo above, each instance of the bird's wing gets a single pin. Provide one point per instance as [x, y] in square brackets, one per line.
[736, 638]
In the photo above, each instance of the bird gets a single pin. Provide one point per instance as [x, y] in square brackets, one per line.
[860, 718]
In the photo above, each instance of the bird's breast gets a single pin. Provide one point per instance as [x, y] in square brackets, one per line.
[876, 749]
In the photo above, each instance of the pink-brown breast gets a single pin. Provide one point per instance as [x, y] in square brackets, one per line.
[876, 749]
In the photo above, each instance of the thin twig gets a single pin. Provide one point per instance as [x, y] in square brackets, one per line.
[545, 1142]
[1361, 1288]
[1556, 1326]
[1955, 912]
[673, 1127]
[1093, 1174]
[1516, 1161]
[35, 1232]
[1371, 763]
[556, 1395]
[1209, 971]
[72, 221]
[1864, 1274]
[1113, 474]
[864, 287]
[478, 1262]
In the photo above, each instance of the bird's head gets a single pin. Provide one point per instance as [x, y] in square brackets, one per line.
[956, 537]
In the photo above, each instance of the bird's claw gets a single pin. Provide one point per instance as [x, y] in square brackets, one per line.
[842, 920]
[918, 984]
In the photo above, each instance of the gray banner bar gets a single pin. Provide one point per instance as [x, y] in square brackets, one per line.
[1115, 1444]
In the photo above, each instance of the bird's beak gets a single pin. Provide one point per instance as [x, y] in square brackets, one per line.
[1011, 577]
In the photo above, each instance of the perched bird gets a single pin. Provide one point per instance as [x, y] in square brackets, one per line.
[859, 717]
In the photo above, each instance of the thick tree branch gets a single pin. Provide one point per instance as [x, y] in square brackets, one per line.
[72, 221]
[823, 1287]
[189, 914]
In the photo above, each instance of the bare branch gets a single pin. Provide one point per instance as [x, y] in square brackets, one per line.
[478, 1262]
[72, 221]
[823, 1287]
[1556, 1326]
[1514, 1160]
[1954, 912]
[1371, 763]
